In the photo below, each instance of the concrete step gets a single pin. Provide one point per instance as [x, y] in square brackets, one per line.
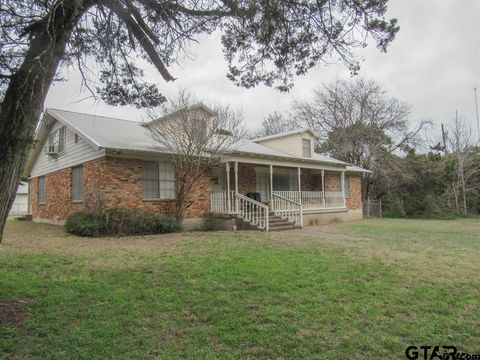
[288, 226]
[275, 220]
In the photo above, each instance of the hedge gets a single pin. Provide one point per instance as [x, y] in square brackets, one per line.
[120, 222]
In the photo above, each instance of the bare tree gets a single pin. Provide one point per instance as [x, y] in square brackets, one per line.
[195, 137]
[273, 124]
[358, 122]
[466, 163]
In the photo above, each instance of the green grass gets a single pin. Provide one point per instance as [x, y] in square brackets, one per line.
[363, 290]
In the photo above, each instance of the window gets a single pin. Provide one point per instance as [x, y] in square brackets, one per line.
[307, 147]
[346, 186]
[41, 190]
[199, 131]
[77, 138]
[77, 183]
[158, 180]
[57, 139]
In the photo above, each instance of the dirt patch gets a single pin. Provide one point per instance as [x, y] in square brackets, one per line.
[11, 312]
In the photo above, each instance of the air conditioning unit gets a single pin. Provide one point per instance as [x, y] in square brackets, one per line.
[50, 150]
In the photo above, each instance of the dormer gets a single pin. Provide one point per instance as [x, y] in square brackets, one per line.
[196, 120]
[298, 143]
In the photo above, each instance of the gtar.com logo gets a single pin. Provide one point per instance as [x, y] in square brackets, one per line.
[429, 352]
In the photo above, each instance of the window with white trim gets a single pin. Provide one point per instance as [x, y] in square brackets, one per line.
[77, 183]
[307, 147]
[41, 190]
[158, 180]
[57, 139]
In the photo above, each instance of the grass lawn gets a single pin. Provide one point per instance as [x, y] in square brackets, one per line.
[362, 290]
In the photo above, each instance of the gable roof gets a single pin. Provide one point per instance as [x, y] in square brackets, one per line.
[104, 132]
[108, 133]
[198, 106]
[284, 134]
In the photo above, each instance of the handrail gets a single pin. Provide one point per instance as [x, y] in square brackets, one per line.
[223, 202]
[287, 209]
[252, 211]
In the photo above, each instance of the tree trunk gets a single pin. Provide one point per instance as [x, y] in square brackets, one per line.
[26, 92]
[464, 195]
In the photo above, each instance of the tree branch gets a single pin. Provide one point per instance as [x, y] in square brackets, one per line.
[141, 37]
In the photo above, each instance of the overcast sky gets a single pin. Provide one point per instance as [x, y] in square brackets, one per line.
[432, 64]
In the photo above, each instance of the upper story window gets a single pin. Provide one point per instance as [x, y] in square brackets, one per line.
[307, 147]
[56, 142]
[158, 181]
[199, 131]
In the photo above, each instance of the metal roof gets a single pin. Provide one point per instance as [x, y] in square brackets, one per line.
[107, 132]
[287, 133]
[354, 168]
[120, 134]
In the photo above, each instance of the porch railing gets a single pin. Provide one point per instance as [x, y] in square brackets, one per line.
[287, 209]
[223, 202]
[252, 211]
[334, 199]
[229, 202]
[314, 199]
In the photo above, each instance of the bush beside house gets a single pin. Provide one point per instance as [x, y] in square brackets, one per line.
[120, 222]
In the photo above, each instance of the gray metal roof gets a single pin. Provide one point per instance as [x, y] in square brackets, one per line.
[107, 132]
[354, 168]
[120, 134]
[287, 133]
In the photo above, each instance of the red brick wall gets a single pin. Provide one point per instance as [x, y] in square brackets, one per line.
[114, 182]
[58, 191]
[354, 201]
[247, 180]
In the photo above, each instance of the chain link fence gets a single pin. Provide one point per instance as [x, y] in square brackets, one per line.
[372, 209]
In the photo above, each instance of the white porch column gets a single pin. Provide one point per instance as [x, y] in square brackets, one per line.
[235, 168]
[227, 167]
[323, 188]
[271, 185]
[299, 174]
[343, 187]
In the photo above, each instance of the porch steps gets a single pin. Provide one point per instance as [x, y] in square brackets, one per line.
[277, 223]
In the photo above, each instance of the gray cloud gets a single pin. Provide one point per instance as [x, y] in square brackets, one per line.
[432, 65]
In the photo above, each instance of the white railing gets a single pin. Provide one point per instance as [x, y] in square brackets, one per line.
[334, 199]
[290, 195]
[252, 211]
[223, 202]
[287, 209]
[312, 200]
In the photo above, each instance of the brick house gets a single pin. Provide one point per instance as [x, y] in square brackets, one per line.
[82, 161]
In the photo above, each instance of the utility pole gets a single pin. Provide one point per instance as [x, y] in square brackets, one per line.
[476, 108]
[444, 139]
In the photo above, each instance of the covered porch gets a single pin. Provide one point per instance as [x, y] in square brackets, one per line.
[255, 191]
